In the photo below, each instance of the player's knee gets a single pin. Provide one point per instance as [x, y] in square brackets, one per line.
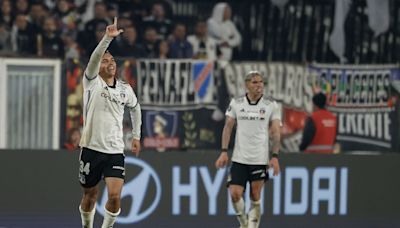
[255, 194]
[236, 196]
[114, 197]
[91, 195]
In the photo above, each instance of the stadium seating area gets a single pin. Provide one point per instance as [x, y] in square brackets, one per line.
[295, 31]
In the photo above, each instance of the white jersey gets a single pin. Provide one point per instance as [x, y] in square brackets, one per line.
[103, 112]
[252, 139]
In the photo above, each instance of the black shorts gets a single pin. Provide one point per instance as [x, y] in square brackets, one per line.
[94, 165]
[240, 174]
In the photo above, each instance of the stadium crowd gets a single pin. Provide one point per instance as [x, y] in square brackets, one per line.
[72, 28]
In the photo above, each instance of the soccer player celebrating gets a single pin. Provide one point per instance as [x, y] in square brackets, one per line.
[256, 116]
[102, 153]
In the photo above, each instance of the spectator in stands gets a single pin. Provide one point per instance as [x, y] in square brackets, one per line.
[99, 33]
[51, 4]
[157, 20]
[37, 14]
[67, 17]
[124, 22]
[179, 47]
[127, 46]
[137, 11]
[22, 7]
[150, 43]
[6, 13]
[23, 36]
[71, 47]
[87, 10]
[163, 48]
[320, 129]
[135, 8]
[73, 139]
[204, 46]
[52, 44]
[224, 30]
[112, 10]
[5, 40]
[98, 23]
[100, 16]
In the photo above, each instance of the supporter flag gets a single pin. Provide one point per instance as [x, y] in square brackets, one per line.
[203, 81]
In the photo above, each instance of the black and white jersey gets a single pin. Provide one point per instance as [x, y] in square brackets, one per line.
[103, 112]
[252, 138]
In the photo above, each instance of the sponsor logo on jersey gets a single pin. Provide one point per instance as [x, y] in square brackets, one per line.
[111, 99]
[250, 118]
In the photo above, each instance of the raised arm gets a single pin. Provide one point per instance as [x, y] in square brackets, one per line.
[93, 66]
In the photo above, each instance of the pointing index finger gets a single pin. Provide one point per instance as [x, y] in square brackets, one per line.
[115, 21]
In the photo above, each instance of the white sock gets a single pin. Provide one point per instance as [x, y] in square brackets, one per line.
[109, 218]
[87, 217]
[254, 214]
[240, 212]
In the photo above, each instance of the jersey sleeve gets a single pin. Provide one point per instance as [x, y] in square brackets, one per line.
[231, 111]
[276, 112]
[88, 83]
[132, 99]
[92, 69]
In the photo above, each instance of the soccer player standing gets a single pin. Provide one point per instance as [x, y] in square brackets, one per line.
[102, 154]
[256, 116]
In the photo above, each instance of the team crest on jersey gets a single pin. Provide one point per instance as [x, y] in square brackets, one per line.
[122, 95]
[262, 114]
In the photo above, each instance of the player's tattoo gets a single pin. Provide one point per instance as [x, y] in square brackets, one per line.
[275, 141]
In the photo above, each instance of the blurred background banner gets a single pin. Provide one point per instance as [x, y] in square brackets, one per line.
[178, 189]
[366, 102]
[190, 129]
[176, 84]
[184, 101]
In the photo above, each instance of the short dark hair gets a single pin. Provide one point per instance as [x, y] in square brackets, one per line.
[319, 100]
